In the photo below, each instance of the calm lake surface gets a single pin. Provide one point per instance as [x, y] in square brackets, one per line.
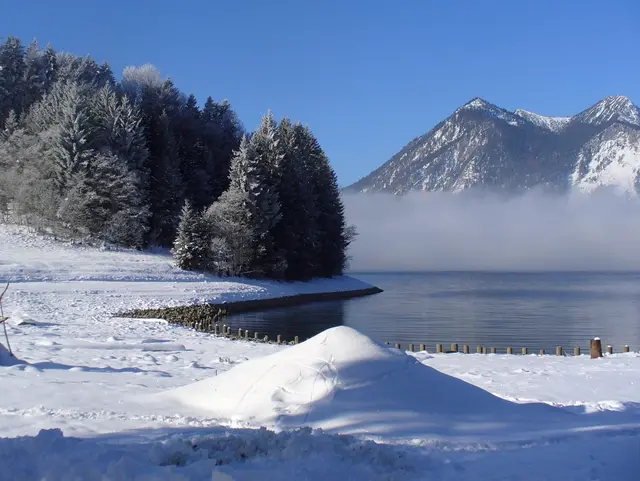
[538, 311]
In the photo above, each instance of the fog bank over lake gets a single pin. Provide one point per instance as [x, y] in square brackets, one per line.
[478, 231]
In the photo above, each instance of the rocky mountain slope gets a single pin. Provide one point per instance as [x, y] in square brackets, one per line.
[483, 145]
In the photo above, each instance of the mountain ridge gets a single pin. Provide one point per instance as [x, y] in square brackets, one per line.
[483, 145]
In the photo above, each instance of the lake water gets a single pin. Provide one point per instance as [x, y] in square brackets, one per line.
[537, 311]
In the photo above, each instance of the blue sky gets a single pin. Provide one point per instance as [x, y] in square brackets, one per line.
[367, 76]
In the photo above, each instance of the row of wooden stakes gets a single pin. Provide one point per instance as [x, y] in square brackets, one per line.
[225, 330]
[595, 349]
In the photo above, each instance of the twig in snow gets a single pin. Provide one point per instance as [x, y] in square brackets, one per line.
[4, 319]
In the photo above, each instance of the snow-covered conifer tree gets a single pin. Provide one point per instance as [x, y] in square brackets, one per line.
[191, 248]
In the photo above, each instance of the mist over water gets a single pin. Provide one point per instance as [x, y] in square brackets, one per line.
[477, 231]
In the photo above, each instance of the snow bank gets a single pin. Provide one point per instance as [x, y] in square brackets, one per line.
[342, 381]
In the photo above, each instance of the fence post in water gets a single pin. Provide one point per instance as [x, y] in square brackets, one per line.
[439, 348]
[216, 329]
[423, 347]
[246, 334]
[485, 350]
[398, 346]
[479, 350]
[255, 335]
[239, 333]
[296, 340]
[410, 347]
[266, 338]
[596, 348]
[454, 347]
[609, 349]
[509, 350]
[625, 348]
[279, 339]
[524, 351]
[576, 351]
[542, 352]
[494, 350]
[558, 350]
[465, 348]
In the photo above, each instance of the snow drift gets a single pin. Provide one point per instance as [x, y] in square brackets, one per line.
[342, 381]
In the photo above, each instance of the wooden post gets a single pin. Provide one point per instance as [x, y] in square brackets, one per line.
[224, 329]
[239, 333]
[465, 348]
[542, 352]
[246, 334]
[485, 350]
[423, 347]
[509, 350]
[439, 348]
[609, 349]
[296, 340]
[454, 347]
[410, 347]
[266, 338]
[576, 351]
[387, 343]
[216, 329]
[398, 346]
[558, 350]
[479, 350]
[524, 351]
[494, 350]
[625, 348]
[255, 335]
[279, 339]
[596, 348]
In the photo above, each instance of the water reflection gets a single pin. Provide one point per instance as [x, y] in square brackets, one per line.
[537, 311]
[302, 321]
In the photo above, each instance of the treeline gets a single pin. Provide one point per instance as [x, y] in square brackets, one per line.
[129, 161]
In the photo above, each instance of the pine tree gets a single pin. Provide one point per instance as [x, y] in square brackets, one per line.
[12, 67]
[333, 236]
[72, 148]
[295, 234]
[50, 64]
[11, 124]
[251, 191]
[191, 248]
[221, 135]
[33, 76]
[165, 183]
[189, 134]
[103, 201]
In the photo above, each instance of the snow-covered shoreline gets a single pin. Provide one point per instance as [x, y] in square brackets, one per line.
[103, 382]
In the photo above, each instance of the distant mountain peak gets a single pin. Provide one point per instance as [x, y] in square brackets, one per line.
[554, 124]
[611, 109]
[476, 103]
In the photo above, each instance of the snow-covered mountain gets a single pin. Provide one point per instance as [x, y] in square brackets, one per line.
[483, 145]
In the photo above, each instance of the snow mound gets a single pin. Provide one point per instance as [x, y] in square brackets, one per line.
[342, 381]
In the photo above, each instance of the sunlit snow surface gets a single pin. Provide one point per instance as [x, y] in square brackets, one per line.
[146, 400]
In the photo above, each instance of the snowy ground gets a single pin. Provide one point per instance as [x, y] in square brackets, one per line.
[122, 391]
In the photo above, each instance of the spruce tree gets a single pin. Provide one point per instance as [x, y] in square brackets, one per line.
[252, 193]
[191, 248]
[12, 67]
[333, 236]
[103, 202]
[295, 234]
[72, 147]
